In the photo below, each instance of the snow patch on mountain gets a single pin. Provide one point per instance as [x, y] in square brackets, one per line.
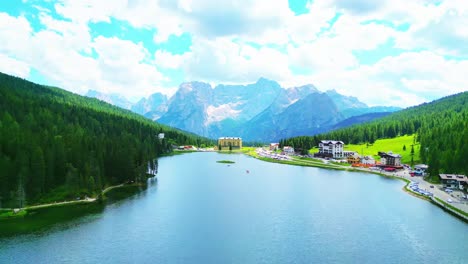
[221, 112]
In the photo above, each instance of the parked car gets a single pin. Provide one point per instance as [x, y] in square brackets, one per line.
[432, 186]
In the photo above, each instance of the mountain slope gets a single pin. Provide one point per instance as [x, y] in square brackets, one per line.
[187, 108]
[152, 107]
[113, 98]
[256, 112]
[441, 127]
[262, 111]
[313, 114]
[212, 112]
[58, 145]
[354, 120]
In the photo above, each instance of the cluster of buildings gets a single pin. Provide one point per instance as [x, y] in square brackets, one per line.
[187, 147]
[335, 149]
[454, 181]
[272, 155]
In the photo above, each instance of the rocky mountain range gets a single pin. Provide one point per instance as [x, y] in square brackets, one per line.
[261, 111]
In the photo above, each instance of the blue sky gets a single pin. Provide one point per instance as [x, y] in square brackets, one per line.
[389, 52]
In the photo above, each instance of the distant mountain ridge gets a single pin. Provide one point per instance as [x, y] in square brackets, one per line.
[112, 98]
[261, 111]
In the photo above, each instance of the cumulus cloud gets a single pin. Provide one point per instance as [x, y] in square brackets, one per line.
[360, 6]
[404, 80]
[211, 19]
[14, 67]
[222, 61]
[240, 41]
[63, 54]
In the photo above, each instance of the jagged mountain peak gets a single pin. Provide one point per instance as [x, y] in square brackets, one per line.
[111, 98]
[261, 111]
[194, 86]
[265, 81]
[344, 102]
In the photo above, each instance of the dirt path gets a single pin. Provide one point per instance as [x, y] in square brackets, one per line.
[87, 200]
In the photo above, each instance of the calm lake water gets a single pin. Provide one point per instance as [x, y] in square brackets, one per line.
[200, 211]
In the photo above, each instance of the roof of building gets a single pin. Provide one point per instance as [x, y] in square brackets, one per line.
[331, 142]
[383, 154]
[229, 138]
[458, 177]
[421, 166]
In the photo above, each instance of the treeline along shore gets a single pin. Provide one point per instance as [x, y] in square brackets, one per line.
[441, 129]
[56, 145]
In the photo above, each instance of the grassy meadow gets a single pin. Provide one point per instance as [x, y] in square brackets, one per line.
[390, 144]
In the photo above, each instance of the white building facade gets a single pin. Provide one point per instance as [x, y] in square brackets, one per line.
[331, 148]
[368, 160]
[288, 150]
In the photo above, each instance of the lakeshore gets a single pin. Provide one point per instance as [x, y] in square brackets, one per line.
[208, 212]
[13, 214]
[438, 200]
[457, 207]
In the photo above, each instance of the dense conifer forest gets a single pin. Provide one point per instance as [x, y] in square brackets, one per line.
[57, 145]
[441, 128]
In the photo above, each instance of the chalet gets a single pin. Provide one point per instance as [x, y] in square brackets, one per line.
[161, 135]
[368, 160]
[454, 181]
[421, 167]
[188, 147]
[348, 153]
[354, 159]
[274, 146]
[331, 149]
[288, 150]
[229, 143]
[390, 159]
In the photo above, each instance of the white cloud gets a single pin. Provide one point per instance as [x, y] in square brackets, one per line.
[62, 54]
[15, 34]
[168, 60]
[306, 27]
[60, 64]
[231, 18]
[123, 68]
[404, 80]
[240, 41]
[75, 35]
[222, 61]
[360, 6]
[14, 67]
[85, 11]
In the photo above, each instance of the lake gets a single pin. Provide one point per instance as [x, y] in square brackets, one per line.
[201, 211]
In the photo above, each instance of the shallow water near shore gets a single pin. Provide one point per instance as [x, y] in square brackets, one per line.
[201, 211]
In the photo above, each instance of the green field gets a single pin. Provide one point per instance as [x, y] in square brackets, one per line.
[391, 144]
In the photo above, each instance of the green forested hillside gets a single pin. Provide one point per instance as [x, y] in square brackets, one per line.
[441, 128]
[56, 144]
